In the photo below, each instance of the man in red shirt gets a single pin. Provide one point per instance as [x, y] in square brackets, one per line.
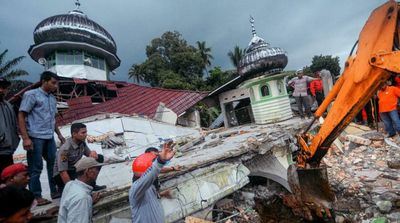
[316, 89]
[388, 97]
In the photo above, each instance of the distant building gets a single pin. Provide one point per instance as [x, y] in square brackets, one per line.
[260, 95]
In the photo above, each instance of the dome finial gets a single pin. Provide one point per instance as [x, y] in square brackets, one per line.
[253, 29]
[77, 4]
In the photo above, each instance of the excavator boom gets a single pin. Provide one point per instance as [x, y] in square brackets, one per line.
[363, 75]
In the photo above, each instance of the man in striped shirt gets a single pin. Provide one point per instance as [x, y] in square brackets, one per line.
[8, 128]
[300, 84]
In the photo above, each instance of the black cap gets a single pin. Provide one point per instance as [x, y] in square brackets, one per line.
[4, 82]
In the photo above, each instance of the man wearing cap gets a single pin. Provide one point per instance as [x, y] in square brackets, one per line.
[8, 127]
[15, 175]
[70, 152]
[76, 201]
[37, 125]
[143, 196]
[300, 85]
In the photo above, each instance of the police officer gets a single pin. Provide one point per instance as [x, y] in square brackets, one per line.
[70, 153]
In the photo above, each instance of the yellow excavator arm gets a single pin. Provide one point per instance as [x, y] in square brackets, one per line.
[376, 58]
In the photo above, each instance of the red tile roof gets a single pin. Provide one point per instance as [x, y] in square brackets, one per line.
[133, 99]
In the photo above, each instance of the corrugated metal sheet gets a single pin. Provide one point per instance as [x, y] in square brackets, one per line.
[136, 99]
[274, 110]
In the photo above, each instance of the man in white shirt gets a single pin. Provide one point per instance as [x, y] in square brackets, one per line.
[76, 201]
[300, 85]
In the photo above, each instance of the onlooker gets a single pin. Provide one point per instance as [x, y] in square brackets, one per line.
[15, 205]
[37, 125]
[76, 201]
[300, 84]
[370, 117]
[15, 175]
[143, 196]
[316, 89]
[8, 128]
[388, 97]
[70, 153]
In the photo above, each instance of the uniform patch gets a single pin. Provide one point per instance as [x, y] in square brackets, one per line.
[64, 157]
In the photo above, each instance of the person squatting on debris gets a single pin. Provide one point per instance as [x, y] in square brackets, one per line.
[37, 126]
[388, 97]
[70, 153]
[316, 89]
[300, 93]
[9, 138]
[15, 175]
[77, 201]
[143, 196]
[15, 205]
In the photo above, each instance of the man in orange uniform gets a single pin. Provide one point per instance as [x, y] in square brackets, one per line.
[316, 89]
[388, 96]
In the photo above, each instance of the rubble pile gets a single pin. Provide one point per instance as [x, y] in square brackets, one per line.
[365, 176]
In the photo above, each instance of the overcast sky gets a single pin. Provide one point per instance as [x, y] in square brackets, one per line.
[302, 28]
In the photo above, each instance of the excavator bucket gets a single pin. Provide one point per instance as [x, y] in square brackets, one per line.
[312, 191]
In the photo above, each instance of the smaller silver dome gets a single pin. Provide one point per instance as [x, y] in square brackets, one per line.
[260, 59]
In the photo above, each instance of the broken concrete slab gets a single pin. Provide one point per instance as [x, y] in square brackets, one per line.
[358, 140]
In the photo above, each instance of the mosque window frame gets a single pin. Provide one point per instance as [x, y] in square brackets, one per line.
[268, 90]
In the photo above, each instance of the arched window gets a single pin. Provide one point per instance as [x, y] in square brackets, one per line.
[265, 91]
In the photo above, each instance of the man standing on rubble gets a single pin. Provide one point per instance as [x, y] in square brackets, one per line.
[388, 97]
[143, 196]
[300, 84]
[8, 128]
[70, 153]
[37, 125]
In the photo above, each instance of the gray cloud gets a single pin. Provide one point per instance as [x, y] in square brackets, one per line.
[303, 28]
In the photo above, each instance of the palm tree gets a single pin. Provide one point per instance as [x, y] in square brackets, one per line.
[134, 72]
[6, 69]
[205, 53]
[235, 56]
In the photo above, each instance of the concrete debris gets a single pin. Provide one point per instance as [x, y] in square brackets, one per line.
[191, 144]
[395, 164]
[358, 140]
[363, 178]
[191, 219]
[99, 138]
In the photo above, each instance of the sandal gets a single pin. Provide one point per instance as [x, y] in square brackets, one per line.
[41, 201]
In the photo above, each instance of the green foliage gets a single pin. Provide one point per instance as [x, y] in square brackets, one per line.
[172, 63]
[216, 78]
[307, 71]
[6, 68]
[236, 55]
[205, 53]
[207, 114]
[17, 86]
[325, 62]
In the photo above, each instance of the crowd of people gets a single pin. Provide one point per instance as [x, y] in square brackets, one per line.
[72, 170]
[383, 106]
